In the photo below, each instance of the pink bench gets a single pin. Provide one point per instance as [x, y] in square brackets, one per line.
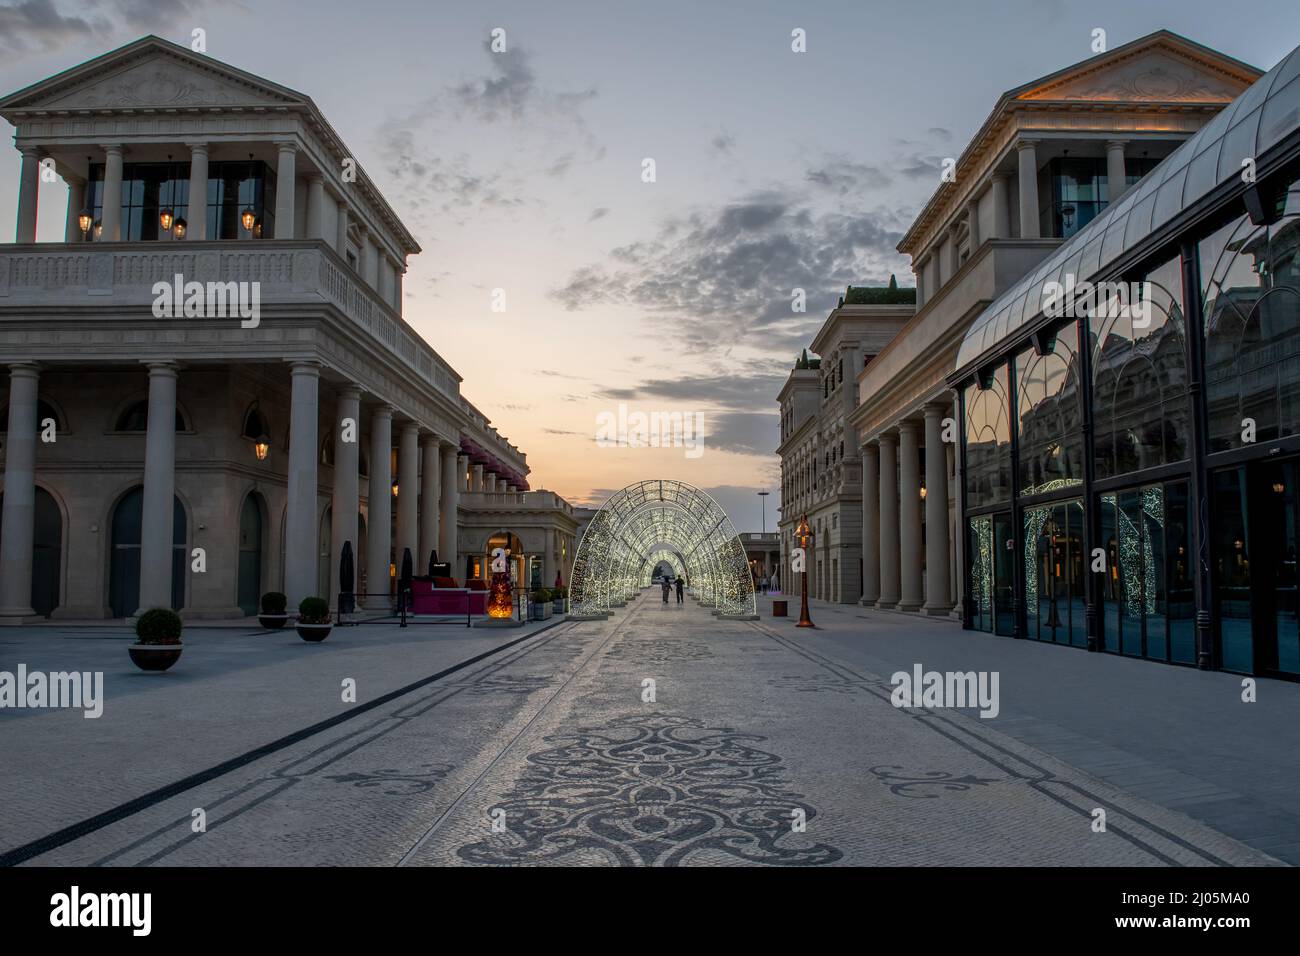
[427, 599]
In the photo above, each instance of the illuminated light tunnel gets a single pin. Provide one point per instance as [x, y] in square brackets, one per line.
[653, 521]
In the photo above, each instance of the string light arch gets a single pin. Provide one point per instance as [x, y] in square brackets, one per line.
[660, 520]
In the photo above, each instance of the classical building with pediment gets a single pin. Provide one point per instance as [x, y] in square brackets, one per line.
[195, 457]
[1052, 155]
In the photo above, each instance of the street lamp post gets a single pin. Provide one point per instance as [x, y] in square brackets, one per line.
[804, 534]
[763, 495]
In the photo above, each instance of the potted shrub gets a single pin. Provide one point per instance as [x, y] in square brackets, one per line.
[273, 614]
[158, 640]
[314, 619]
[558, 597]
[541, 604]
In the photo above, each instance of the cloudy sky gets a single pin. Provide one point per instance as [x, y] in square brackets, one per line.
[522, 171]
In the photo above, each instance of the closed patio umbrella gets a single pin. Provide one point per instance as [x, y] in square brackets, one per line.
[347, 579]
[404, 579]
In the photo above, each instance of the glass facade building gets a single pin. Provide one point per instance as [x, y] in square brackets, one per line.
[1131, 462]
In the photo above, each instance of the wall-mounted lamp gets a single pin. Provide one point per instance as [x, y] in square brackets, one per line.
[165, 220]
[179, 229]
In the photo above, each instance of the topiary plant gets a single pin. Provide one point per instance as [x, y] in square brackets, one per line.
[273, 602]
[541, 596]
[159, 625]
[314, 610]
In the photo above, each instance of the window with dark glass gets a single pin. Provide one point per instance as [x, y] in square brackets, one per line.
[1054, 573]
[988, 440]
[1141, 412]
[1051, 437]
[150, 188]
[1079, 191]
[1251, 278]
[135, 418]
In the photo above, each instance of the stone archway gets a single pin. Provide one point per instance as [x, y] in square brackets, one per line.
[646, 519]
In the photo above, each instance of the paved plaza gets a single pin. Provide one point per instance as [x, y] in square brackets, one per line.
[661, 736]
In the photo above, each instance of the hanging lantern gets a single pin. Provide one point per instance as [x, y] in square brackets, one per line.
[179, 229]
[99, 229]
[84, 221]
[247, 218]
[165, 219]
[261, 446]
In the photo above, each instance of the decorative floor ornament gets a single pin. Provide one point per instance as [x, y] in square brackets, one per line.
[655, 790]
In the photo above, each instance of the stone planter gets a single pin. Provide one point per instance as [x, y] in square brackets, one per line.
[314, 632]
[154, 657]
[558, 606]
[539, 612]
[272, 622]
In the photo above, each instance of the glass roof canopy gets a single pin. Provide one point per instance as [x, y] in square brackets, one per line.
[659, 520]
[1248, 127]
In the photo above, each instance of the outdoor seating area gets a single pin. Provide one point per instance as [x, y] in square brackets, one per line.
[439, 595]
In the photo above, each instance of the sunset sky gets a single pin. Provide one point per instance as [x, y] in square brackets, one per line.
[522, 171]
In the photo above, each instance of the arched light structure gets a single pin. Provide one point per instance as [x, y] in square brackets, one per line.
[662, 556]
[659, 520]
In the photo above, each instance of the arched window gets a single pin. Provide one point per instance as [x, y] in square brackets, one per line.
[255, 427]
[1252, 328]
[988, 441]
[1051, 438]
[135, 418]
[1141, 409]
[44, 411]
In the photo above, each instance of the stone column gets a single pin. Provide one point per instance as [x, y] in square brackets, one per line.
[870, 524]
[408, 492]
[301, 551]
[196, 217]
[110, 217]
[462, 473]
[341, 240]
[370, 260]
[973, 224]
[385, 288]
[17, 536]
[490, 483]
[315, 206]
[451, 471]
[159, 489]
[76, 202]
[938, 594]
[1001, 207]
[379, 520]
[954, 253]
[1028, 158]
[478, 479]
[430, 485]
[285, 181]
[889, 574]
[548, 558]
[29, 188]
[397, 289]
[909, 515]
[346, 504]
[919, 270]
[1116, 176]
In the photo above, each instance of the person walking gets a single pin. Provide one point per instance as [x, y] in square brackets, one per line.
[681, 588]
[665, 586]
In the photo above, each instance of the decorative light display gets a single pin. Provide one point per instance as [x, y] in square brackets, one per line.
[500, 601]
[653, 521]
[982, 563]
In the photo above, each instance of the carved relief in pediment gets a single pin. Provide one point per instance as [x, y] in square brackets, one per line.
[1156, 77]
[158, 83]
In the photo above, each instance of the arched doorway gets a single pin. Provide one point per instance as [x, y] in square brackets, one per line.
[481, 567]
[47, 551]
[124, 556]
[250, 554]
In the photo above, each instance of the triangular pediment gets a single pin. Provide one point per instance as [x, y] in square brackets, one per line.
[1158, 71]
[151, 74]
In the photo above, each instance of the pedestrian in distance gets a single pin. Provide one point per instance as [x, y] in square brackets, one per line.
[665, 586]
[681, 589]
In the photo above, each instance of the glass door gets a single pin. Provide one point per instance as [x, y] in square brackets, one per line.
[1004, 574]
